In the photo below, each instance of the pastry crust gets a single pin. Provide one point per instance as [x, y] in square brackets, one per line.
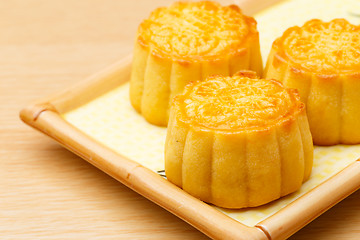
[322, 60]
[238, 141]
[188, 41]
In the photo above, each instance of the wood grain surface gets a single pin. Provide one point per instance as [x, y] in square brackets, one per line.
[48, 192]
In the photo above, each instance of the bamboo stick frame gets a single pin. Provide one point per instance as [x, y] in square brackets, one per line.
[46, 117]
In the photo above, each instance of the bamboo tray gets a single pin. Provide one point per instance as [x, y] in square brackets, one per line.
[95, 120]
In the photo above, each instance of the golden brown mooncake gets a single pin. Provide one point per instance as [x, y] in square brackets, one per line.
[188, 41]
[322, 61]
[238, 141]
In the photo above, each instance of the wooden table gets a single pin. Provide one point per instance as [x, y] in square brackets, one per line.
[48, 192]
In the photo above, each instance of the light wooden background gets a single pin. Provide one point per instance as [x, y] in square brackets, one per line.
[47, 192]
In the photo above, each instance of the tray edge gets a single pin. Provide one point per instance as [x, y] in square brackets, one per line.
[303, 210]
[208, 220]
[46, 117]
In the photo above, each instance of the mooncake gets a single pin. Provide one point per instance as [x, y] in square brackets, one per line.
[322, 60]
[238, 141]
[188, 40]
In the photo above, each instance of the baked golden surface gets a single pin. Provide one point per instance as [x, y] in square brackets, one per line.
[238, 141]
[322, 47]
[321, 59]
[188, 41]
[195, 30]
[237, 103]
